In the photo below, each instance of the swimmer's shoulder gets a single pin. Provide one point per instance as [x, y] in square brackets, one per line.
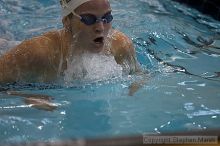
[42, 44]
[121, 42]
[54, 35]
[43, 48]
[51, 38]
[122, 45]
[124, 52]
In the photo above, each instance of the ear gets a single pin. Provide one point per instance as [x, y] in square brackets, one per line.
[66, 22]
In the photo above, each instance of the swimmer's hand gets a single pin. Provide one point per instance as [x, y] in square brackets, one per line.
[38, 101]
[135, 86]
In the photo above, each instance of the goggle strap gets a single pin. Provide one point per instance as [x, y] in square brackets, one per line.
[64, 4]
[76, 15]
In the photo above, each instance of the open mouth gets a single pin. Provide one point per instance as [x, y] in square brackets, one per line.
[99, 40]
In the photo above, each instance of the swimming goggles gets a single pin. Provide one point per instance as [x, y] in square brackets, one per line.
[90, 19]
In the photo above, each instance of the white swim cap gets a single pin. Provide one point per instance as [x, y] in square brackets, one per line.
[69, 6]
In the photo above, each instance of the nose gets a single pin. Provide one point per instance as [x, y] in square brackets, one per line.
[99, 27]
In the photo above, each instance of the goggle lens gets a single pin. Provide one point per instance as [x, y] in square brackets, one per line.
[90, 19]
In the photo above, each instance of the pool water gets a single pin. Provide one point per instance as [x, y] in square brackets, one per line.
[178, 46]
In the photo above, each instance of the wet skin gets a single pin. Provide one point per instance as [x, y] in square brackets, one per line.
[44, 58]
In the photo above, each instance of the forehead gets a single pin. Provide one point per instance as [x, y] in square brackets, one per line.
[94, 6]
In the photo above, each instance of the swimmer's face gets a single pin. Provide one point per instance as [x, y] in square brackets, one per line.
[93, 36]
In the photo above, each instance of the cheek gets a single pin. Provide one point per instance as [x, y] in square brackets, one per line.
[81, 30]
[77, 26]
[85, 33]
[108, 27]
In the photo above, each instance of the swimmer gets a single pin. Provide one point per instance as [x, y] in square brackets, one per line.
[87, 29]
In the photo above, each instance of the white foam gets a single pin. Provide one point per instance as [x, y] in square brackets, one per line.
[92, 67]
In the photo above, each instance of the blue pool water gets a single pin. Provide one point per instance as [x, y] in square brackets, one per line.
[179, 46]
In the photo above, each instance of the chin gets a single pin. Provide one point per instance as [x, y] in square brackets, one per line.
[96, 49]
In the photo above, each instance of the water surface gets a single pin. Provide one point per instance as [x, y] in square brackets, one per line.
[178, 46]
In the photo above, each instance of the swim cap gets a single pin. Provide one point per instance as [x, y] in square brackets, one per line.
[68, 6]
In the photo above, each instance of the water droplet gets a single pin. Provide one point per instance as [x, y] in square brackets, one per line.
[40, 127]
[189, 106]
[63, 112]
[214, 117]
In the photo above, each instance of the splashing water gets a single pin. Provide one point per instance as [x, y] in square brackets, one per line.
[177, 45]
[92, 67]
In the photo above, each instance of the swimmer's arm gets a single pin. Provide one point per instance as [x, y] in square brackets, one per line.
[124, 52]
[143, 77]
[125, 55]
[135, 86]
[38, 101]
[28, 58]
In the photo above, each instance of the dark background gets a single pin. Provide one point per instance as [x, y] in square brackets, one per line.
[209, 7]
